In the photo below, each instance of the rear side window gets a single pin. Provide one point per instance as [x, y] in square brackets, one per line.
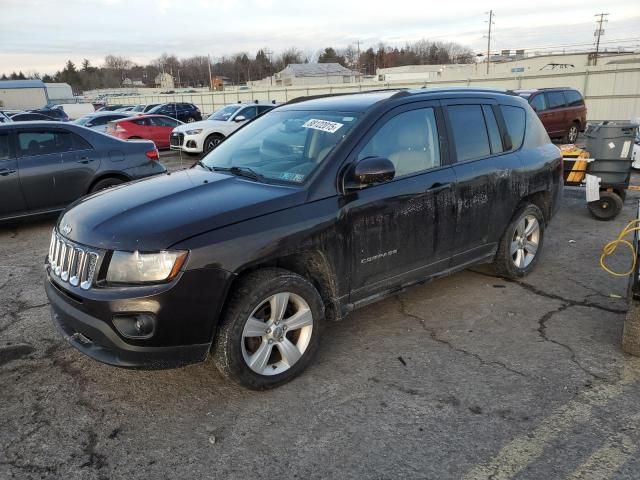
[4, 147]
[45, 142]
[469, 132]
[555, 99]
[492, 129]
[514, 119]
[80, 143]
[573, 97]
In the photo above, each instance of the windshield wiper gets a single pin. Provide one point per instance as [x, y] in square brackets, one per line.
[242, 172]
[202, 164]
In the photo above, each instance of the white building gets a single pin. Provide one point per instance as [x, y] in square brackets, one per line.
[314, 74]
[164, 80]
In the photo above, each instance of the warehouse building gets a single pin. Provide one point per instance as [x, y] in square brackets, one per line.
[315, 74]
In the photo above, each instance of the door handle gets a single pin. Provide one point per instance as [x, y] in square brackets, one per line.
[6, 171]
[85, 160]
[438, 187]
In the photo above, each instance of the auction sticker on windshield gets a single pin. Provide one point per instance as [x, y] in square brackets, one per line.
[323, 125]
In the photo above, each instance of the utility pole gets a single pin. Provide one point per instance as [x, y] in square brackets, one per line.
[209, 65]
[358, 61]
[489, 40]
[599, 31]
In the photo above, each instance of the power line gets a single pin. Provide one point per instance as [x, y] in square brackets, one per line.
[599, 31]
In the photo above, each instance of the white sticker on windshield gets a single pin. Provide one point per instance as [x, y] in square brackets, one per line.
[323, 125]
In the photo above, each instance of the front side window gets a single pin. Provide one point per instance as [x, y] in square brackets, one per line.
[539, 103]
[409, 140]
[469, 132]
[224, 113]
[286, 146]
[248, 113]
[555, 99]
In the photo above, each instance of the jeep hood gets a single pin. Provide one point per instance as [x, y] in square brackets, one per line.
[155, 213]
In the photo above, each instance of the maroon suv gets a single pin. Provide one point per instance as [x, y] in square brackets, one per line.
[561, 110]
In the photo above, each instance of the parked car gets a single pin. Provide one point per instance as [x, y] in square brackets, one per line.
[306, 213]
[44, 166]
[55, 113]
[32, 117]
[185, 112]
[142, 108]
[561, 110]
[206, 135]
[75, 110]
[109, 108]
[98, 120]
[156, 128]
[128, 108]
[4, 118]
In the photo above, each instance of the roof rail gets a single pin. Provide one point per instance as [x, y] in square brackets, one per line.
[303, 98]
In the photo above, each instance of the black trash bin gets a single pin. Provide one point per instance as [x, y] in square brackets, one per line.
[610, 144]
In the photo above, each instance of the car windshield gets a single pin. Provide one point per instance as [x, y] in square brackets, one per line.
[284, 146]
[138, 108]
[224, 113]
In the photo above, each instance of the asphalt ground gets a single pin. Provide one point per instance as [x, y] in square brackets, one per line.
[470, 376]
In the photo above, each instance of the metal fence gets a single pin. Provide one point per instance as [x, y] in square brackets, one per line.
[610, 93]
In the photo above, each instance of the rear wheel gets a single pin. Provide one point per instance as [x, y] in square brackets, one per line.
[106, 183]
[608, 207]
[572, 134]
[212, 142]
[521, 243]
[270, 330]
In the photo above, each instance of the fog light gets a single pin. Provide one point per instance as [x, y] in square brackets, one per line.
[138, 325]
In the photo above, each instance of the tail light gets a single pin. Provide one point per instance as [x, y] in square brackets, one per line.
[153, 154]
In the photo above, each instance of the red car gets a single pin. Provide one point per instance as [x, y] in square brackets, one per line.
[156, 128]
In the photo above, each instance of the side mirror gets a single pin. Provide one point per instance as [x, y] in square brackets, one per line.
[240, 118]
[88, 124]
[369, 171]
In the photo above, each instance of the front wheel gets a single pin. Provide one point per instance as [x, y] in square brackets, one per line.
[270, 330]
[106, 183]
[212, 142]
[521, 243]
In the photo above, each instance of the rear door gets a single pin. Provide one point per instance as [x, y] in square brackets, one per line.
[483, 180]
[401, 231]
[539, 104]
[557, 112]
[11, 198]
[56, 166]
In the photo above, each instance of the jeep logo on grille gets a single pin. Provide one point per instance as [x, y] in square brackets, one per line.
[66, 229]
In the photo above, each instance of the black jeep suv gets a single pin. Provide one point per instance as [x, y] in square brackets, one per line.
[312, 210]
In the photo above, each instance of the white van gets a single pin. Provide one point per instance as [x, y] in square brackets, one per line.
[76, 110]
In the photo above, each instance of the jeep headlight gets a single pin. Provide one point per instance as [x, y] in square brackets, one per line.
[137, 267]
[194, 132]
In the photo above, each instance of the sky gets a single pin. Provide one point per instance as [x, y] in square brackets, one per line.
[41, 35]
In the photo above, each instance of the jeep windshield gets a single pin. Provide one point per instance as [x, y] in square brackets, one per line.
[283, 146]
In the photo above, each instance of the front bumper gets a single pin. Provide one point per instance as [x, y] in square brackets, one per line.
[186, 314]
[190, 143]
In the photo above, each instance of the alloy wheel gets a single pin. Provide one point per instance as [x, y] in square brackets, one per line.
[573, 134]
[525, 241]
[277, 333]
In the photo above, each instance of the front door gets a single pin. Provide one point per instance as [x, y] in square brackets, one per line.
[401, 231]
[11, 198]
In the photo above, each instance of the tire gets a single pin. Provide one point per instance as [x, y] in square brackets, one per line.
[106, 183]
[608, 207]
[212, 141]
[254, 359]
[518, 254]
[572, 134]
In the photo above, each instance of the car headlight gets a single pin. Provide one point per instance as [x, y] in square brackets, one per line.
[137, 267]
[194, 132]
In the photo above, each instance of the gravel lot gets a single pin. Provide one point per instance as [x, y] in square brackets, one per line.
[470, 377]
